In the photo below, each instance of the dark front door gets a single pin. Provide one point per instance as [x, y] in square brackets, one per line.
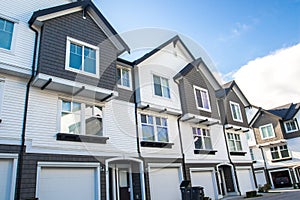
[124, 184]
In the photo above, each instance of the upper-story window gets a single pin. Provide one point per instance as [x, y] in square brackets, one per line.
[202, 98]
[267, 131]
[154, 128]
[252, 154]
[291, 126]
[202, 139]
[161, 86]
[6, 33]
[124, 77]
[82, 57]
[236, 112]
[80, 118]
[234, 141]
[279, 152]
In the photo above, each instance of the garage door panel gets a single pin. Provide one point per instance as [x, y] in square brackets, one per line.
[245, 180]
[165, 184]
[67, 183]
[6, 166]
[204, 179]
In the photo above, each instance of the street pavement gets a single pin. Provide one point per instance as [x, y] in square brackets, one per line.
[278, 194]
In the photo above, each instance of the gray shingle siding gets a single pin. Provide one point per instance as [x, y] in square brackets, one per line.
[53, 49]
[188, 98]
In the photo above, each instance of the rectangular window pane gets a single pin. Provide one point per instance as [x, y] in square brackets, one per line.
[204, 97]
[90, 60]
[198, 142]
[66, 106]
[158, 121]
[150, 119]
[165, 87]
[207, 142]
[6, 33]
[275, 155]
[198, 97]
[125, 78]
[285, 153]
[144, 118]
[93, 120]
[148, 132]
[70, 123]
[157, 86]
[75, 56]
[119, 76]
[162, 134]
[232, 145]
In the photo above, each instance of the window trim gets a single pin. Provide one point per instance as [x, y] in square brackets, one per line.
[279, 153]
[70, 40]
[82, 117]
[202, 138]
[153, 85]
[196, 100]
[130, 78]
[14, 34]
[155, 126]
[261, 134]
[296, 123]
[239, 110]
[235, 141]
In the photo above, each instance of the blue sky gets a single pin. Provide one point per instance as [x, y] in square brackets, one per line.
[232, 32]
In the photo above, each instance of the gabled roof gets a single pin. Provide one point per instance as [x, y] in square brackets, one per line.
[260, 112]
[232, 86]
[286, 112]
[173, 40]
[199, 65]
[86, 5]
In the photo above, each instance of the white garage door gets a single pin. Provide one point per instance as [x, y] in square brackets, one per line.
[67, 183]
[245, 180]
[165, 183]
[6, 166]
[204, 179]
[260, 178]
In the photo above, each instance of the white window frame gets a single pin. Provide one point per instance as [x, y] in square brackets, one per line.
[130, 78]
[234, 141]
[155, 126]
[278, 150]
[238, 110]
[161, 86]
[196, 100]
[14, 34]
[202, 138]
[83, 44]
[14, 158]
[266, 125]
[82, 116]
[296, 125]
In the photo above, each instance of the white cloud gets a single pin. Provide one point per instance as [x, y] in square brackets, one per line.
[272, 80]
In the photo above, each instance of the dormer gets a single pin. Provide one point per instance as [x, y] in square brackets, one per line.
[197, 88]
[77, 51]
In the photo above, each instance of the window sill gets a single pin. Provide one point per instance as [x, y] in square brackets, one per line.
[156, 144]
[238, 153]
[204, 151]
[81, 138]
[282, 159]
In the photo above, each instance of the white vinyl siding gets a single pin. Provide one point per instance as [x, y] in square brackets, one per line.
[202, 98]
[82, 57]
[267, 131]
[236, 112]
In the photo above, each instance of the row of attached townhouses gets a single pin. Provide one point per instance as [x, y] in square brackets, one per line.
[274, 145]
[79, 122]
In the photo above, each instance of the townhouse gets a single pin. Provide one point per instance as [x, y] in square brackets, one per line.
[91, 125]
[274, 145]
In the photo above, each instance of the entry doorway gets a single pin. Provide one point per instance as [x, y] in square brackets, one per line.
[226, 180]
[121, 187]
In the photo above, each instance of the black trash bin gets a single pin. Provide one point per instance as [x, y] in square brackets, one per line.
[191, 193]
[197, 193]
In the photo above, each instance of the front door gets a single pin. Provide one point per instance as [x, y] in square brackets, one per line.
[124, 184]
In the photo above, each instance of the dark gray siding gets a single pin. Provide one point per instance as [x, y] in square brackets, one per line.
[265, 119]
[9, 148]
[289, 135]
[234, 98]
[187, 96]
[53, 49]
